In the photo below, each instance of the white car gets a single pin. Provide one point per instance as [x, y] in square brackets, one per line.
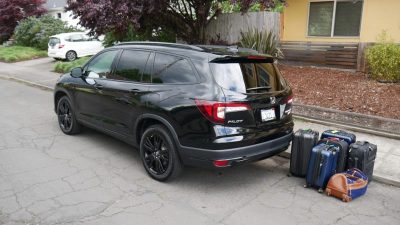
[71, 46]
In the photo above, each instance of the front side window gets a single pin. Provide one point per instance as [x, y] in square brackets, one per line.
[131, 66]
[172, 69]
[335, 18]
[101, 66]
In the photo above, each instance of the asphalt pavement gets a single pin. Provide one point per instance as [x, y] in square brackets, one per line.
[47, 177]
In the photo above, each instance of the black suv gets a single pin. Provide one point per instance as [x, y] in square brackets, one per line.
[210, 106]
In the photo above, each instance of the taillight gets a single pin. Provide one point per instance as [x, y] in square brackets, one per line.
[61, 46]
[287, 106]
[289, 100]
[215, 111]
[256, 57]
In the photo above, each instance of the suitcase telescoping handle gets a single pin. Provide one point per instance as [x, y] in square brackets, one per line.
[367, 143]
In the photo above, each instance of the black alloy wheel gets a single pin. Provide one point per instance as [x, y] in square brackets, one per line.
[66, 117]
[158, 154]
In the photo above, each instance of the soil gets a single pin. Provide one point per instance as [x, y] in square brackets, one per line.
[343, 90]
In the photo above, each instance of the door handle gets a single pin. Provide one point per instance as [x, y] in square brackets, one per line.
[122, 100]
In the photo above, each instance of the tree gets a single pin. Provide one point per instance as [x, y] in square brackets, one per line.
[187, 18]
[13, 11]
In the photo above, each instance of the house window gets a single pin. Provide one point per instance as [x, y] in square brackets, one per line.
[335, 18]
[59, 15]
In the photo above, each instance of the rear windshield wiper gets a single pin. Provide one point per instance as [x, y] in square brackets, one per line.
[259, 88]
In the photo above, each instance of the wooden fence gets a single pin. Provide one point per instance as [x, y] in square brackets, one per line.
[341, 55]
[228, 26]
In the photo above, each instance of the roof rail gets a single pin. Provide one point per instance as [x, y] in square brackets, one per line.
[162, 44]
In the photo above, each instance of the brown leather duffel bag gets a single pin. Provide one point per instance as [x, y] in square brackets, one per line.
[348, 185]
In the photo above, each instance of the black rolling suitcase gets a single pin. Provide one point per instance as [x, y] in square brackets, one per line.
[342, 151]
[303, 142]
[362, 156]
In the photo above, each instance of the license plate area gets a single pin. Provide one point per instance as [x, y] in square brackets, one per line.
[267, 115]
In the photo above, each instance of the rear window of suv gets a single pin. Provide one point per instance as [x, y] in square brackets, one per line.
[248, 77]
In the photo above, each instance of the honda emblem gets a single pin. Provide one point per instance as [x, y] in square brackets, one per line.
[273, 100]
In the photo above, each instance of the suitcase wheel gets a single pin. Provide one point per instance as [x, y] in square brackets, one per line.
[306, 186]
[320, 190]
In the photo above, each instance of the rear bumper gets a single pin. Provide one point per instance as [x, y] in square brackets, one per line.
[56, 54]
[205, 157]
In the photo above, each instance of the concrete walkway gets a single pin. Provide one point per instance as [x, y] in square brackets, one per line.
[37, 71]
[387, 166]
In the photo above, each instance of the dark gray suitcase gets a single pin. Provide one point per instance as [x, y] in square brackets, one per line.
[362, 156]
[303, 142]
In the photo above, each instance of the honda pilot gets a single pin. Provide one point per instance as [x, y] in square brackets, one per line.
[181, 105]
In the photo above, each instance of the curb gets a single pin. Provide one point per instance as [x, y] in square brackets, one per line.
[348, 127]
[376, 178]
[347, 113]
[29, 83]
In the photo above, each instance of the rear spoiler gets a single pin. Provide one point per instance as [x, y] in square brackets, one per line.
[244, 59]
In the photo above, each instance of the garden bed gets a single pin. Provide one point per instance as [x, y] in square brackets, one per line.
[20, 53]
[345, 91]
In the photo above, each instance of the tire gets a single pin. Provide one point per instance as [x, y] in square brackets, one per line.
[71, 55]
[159, 154]
[66, 117]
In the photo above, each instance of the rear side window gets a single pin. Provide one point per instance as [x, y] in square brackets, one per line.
[131, 66]
[172, 69]
[247, 77]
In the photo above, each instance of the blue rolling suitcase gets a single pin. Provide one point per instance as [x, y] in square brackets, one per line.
[322, 166]
[343, 150]
[341, 134]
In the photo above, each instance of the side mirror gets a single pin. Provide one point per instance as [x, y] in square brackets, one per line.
[77, 72]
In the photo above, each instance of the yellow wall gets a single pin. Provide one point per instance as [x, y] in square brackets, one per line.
[376, 17]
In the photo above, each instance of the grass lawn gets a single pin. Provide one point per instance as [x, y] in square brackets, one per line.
[20, 53]
[65, 67]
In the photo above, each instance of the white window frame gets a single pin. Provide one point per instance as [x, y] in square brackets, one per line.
[333, 19]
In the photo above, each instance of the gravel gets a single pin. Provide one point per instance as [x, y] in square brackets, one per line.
[343, 90]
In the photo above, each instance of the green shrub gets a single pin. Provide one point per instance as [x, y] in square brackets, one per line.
[35, 32]
[262, 41]
[384, 59]
[65, 67]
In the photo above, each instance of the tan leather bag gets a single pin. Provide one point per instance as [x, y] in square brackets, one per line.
[347, 186]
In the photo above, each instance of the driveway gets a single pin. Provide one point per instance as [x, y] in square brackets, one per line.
[47, 177]
[37, 71]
